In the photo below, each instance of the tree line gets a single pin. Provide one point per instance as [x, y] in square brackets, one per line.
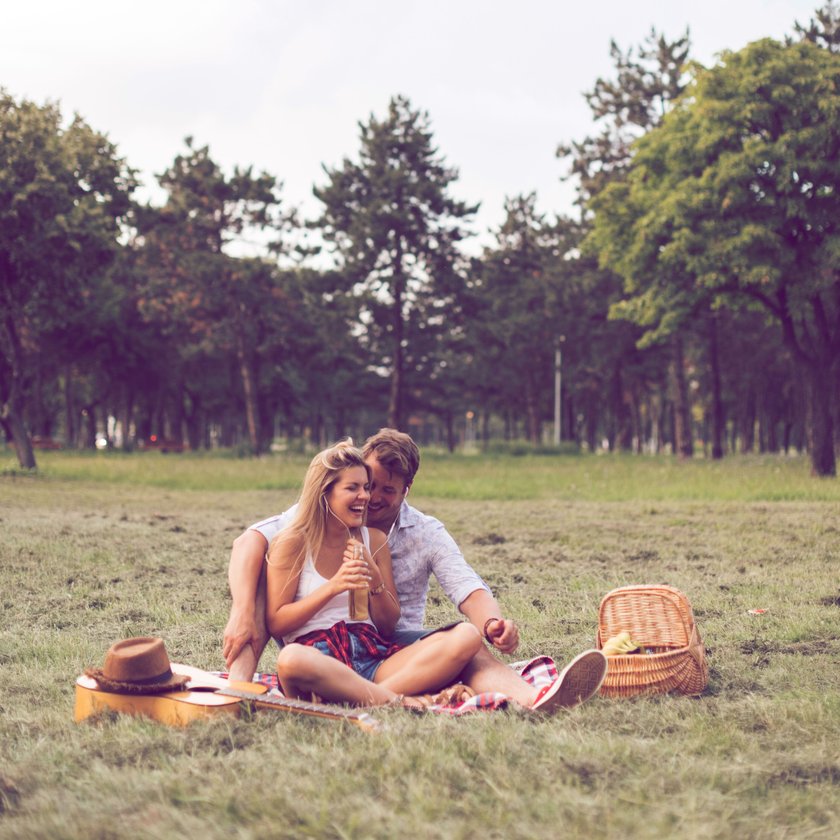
[692, 302]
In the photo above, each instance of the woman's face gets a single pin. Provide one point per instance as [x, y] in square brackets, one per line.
[349, 495]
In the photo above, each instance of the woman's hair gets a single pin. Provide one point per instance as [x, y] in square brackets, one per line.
[396, 451]
[310, 522]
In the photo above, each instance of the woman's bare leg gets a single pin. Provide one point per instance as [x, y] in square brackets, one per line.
[304, 670]
[431, 663]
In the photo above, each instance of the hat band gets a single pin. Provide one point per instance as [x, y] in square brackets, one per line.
[149, 680]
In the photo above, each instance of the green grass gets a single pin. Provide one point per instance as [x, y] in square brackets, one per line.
[99, 547]
[601, 478]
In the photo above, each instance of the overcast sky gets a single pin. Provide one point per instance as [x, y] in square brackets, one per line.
[282, 85]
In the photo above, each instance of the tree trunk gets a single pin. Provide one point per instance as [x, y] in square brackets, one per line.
[340, 420]
[250, 392]
[717, 392]
[127, 413]
[193, 412]
[638, 421]
[69, 409]
[748, 422]
[591, 425]
[621, 439]
[39, 418]
[569, 424]
[449, 420]
[820, 421]
[12, 409]
[395, 399]
[532, 412]
[788, 428]
[683, 443]
[89, 413]
[771, 428]
[178, 414]
[20, 437]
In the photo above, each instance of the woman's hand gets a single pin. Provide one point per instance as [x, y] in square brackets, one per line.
[376, 576]
[355, 571]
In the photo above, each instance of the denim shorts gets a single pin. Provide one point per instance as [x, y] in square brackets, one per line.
[363, 663]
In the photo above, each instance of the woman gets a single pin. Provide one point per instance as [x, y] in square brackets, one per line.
[314, 566]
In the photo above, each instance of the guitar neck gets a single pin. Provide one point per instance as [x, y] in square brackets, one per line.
[301, 707]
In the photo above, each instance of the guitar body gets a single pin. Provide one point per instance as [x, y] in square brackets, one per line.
[174, 708]
[206, 695]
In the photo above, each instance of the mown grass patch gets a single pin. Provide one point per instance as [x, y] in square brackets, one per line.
[139, 545]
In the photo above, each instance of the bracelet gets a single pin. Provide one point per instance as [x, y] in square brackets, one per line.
[486, 625]
[378, 589]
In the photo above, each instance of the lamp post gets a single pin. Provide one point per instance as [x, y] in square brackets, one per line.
[558, 384]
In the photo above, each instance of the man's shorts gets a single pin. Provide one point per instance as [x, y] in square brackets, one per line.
[409, 637]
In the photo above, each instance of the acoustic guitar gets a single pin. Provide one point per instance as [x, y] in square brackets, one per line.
[205, 695]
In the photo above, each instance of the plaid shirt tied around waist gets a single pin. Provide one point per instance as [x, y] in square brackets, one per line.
[337, 639]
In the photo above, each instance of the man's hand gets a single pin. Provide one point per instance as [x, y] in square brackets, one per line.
[504, 634]
[481, 608]
[240, 630]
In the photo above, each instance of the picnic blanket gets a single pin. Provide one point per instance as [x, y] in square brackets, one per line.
[539, 671]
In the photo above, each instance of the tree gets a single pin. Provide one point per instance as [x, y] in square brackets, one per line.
[194, 287]
[515, 325]
[736, 196]
[315, 373]
[825, 30]
[63, 194]
[647, 83]
[642, 92]
[394, 228]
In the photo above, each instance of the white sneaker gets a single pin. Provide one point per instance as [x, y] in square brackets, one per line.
[577, 682]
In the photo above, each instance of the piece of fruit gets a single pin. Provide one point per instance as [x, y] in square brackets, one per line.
[620, 644]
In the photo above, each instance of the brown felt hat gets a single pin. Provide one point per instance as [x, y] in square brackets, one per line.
[137, 666]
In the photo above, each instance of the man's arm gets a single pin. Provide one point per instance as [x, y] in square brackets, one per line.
[246, 624]
[246, 577]
[465, 588]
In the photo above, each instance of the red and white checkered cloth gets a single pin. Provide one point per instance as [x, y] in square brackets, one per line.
[539, 671]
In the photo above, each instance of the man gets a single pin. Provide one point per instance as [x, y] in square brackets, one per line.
[420, 546]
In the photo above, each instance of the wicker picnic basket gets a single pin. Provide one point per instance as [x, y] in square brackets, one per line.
[661, 620]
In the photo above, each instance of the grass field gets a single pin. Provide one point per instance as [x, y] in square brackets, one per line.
[100, 547]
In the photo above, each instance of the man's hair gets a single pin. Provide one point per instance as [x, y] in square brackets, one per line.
[396, 451]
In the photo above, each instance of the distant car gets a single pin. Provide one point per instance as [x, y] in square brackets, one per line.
[163, 444]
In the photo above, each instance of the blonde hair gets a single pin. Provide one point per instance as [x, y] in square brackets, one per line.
[309, 526]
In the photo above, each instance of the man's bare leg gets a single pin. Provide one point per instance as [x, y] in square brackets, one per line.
[486, 673]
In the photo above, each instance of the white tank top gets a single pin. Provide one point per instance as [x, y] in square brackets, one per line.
[335, 610]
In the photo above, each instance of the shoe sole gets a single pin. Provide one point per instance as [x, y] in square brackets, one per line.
[578, 681]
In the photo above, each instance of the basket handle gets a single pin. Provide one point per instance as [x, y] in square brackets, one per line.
[695, 646]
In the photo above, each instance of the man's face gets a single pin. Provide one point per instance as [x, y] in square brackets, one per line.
[387, 490]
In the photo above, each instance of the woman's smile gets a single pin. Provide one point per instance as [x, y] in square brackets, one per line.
[350, 495]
